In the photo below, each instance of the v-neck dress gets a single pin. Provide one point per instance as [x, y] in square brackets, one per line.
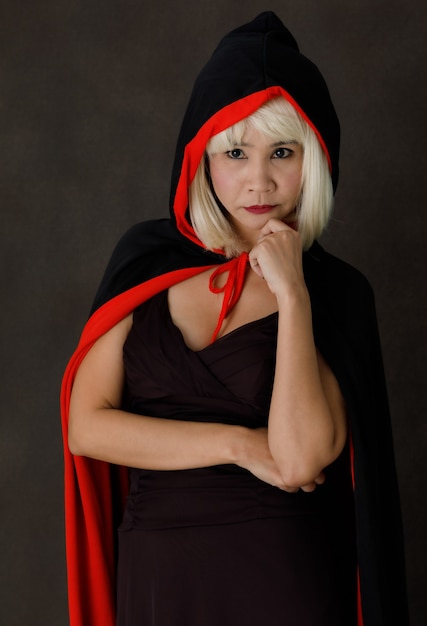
[216, 546]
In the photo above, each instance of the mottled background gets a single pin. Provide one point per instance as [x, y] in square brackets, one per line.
[91, 97]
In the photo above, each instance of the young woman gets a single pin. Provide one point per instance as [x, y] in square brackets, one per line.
[233, 366]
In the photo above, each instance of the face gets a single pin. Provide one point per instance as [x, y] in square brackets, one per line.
[257, 180]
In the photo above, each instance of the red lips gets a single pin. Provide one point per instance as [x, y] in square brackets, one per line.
[259, 208]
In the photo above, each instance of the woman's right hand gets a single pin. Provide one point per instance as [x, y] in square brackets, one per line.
[257, 459]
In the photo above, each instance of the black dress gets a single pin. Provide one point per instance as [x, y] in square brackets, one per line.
[216, 546]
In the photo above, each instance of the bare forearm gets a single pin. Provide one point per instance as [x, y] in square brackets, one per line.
[153, 443]
[304, 432]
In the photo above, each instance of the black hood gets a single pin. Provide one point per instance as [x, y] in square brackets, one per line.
[251, 65]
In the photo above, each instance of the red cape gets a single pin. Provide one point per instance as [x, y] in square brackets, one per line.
[89, 504]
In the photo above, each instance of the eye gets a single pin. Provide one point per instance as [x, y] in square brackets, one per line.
[282, 153]
[235, 153]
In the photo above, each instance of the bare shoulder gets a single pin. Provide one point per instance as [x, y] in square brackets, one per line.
[114, 338]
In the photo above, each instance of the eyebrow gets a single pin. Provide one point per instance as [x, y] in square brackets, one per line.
[276, 144]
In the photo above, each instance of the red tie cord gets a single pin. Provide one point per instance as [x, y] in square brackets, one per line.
[232, 289]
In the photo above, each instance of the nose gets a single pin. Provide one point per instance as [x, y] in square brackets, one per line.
[259, 177]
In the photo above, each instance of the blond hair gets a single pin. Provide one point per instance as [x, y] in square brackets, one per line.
[276, 119]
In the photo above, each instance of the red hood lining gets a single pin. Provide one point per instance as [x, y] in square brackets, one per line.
[222, 119]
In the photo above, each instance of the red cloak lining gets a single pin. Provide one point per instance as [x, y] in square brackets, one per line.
[88, 493]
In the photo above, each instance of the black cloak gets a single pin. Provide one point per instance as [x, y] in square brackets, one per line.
[251, 65]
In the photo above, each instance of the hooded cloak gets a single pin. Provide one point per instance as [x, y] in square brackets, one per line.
[251, 65]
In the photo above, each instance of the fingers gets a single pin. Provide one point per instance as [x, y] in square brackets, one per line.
[308, 488]
[289, 489]
[253, 262]
[273, 226]
[277, 239]
[320, 479]
[277, 257]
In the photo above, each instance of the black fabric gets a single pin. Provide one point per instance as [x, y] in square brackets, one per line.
[220, 530]
[346, 334]
[257, 55]
[148, 250]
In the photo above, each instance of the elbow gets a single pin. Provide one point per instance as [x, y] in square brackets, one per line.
[86, 433]
[75, 445]
[297, 465]
[299, 475]
[302, 463]
[302, 468]
[77, 436]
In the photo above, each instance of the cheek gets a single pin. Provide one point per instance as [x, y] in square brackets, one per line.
[223, 181]
[293, 180]
[297, 181]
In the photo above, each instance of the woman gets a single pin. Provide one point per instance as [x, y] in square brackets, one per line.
[234, 374]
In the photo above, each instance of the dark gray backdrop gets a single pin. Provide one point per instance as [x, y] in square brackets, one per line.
[91, 98]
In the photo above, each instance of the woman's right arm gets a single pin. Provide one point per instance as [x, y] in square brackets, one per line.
[99, 429]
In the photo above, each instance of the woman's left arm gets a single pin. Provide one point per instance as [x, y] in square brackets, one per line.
[307, 422]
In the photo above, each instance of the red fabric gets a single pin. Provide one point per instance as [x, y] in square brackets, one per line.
[88, 492]
[360, 621]
[232, 288]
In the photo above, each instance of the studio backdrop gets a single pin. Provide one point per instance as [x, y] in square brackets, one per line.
[91, 99]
